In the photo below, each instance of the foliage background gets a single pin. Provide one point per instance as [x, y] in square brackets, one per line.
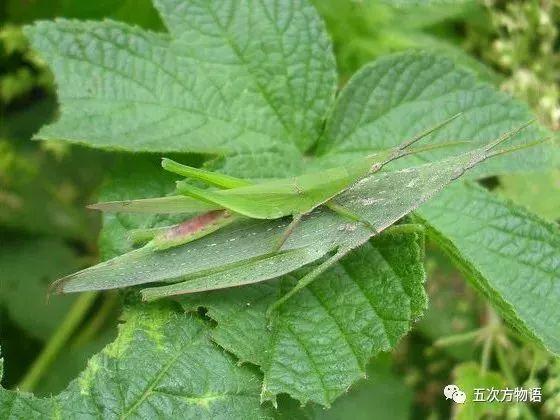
[45, 232]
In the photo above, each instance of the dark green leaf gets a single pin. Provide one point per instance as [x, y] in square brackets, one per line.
[182, 374]
[509, 254]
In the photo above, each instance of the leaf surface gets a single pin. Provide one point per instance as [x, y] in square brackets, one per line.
[398, 96]
[509, 254]
[182, 372]
[323, 338]
[539, 193]
[382, 395]
[229, 77]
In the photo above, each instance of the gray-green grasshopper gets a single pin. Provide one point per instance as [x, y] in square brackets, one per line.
[231, 274]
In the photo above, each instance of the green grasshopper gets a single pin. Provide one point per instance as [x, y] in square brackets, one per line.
[234, 197]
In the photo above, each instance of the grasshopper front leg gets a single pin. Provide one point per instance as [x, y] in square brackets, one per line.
[296, 219]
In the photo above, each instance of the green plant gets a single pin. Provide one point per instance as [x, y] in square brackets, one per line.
[252, 87]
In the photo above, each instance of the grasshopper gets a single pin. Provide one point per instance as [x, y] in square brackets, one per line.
[215, 213]
[232, 197]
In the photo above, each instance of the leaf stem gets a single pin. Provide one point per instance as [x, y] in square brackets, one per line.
[72, 320]
[504, 366]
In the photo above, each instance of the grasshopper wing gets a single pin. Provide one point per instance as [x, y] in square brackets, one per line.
[171, 204]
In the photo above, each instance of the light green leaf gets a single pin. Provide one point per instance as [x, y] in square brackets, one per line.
[139, 12]
[509, 254]
[182, 373]
[365, 30]
[230, 77]
[540, 192]
[324, 337]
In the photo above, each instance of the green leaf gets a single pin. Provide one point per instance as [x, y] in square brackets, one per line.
[363, 31]
[140, 12]
[382, 395]
[181, 372]
[229, 78]
[509, 254]
[324, 337]
[28, 267]
[398, 96]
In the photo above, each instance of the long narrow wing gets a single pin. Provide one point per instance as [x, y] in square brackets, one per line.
[169, 205]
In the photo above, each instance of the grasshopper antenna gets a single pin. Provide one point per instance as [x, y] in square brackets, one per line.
[506, 136]
[427, 132]
[520, 147]
[486, 151]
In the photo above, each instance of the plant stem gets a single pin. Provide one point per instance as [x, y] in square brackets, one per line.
[72, 320]
[504, 366]
[508, 373]
[110, 301]
[486, 351]
[454, 339]
[493, 328]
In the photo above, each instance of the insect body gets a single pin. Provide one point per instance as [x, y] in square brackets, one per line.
[232, 197]
[294, 196]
